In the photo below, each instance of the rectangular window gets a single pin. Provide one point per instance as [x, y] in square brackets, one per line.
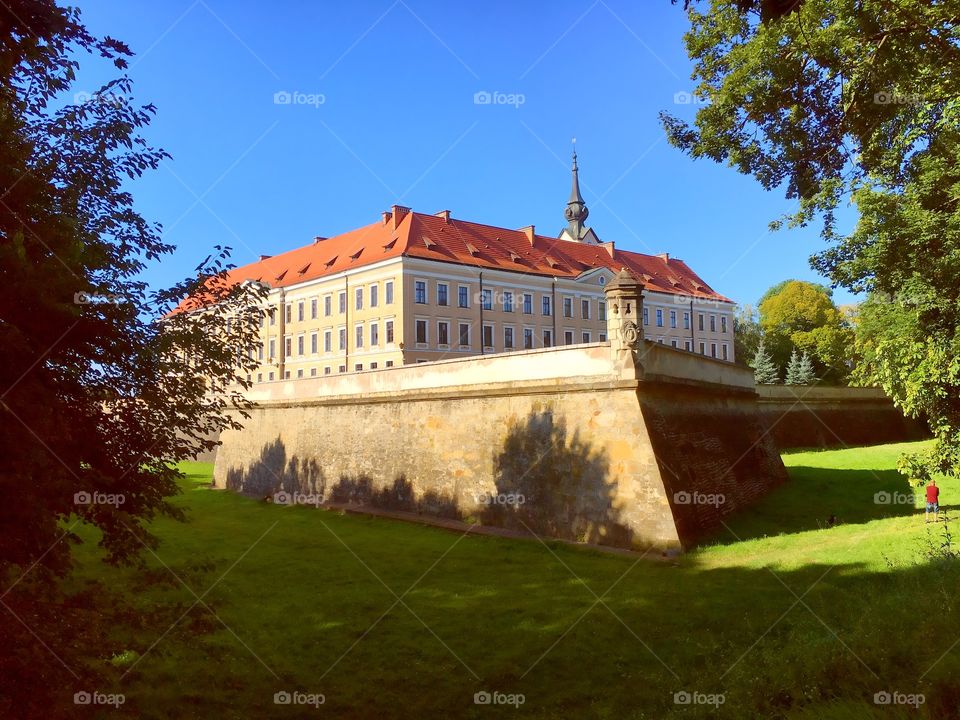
[463, 296]
[422, 332]
[358, 367]
[443, 292]
[488, 336]
[443, 333]
[270, 377]
[273, 348]
[259, 377]
[420, 292]
[373, 366]
[300, 345]
[659, 317]
[358, 331]
[508, 338]
[687, 345]
[585, 309]
[713, 323]
[713, 349]
[528, 338]
[286, 374]
[327, 305]
[486, 299]
[568, 307]
[313, 372]
[508, 301]
[527, 304]
[389, 363]
[388, 291]
[260, 351]
[464, 334]
[313, 309]
[343, 338]
[602, 310]
[723, 324]
[327, 341]
[568, 337]
[326, 370]
[342, 298]
[726, 352]
[703, 348]
[673, 342]
[547, 338]
[673, 319]
[686, 321]
[389, 327]
[287, 346]
[374, 295]
[585, 337]
[300, 373]
[358, 298]
[273, 316]
[646, 315]
[342, 368]
[546, 308]
[289, 312]
[700, 321]
[374, 334]
[300, 311]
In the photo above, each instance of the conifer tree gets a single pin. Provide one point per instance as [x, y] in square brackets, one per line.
[805, 373]
[764, 370]
[793, 369]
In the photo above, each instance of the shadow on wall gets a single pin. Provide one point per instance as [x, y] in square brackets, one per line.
[546, 482]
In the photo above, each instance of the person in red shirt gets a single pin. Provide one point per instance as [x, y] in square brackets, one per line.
[933, 501]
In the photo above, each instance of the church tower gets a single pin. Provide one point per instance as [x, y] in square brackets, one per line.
[576, 213]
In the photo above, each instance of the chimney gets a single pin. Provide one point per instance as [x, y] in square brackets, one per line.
[608, 246]
[664, 256]
[445, 214]
[386, 217]
[529, 232]
[317, 240]
[399, 213]
[264, 257]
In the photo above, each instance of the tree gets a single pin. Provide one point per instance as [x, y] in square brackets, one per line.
[746, 334]
[831, 101]
[800, 370]
[764, 370]
[793, 369]
[101, 389]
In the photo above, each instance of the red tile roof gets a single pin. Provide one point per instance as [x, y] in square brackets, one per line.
[435, 237]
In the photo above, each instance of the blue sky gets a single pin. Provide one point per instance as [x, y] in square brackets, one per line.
[383, 112]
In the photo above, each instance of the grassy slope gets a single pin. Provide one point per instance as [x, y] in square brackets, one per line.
[301, 589]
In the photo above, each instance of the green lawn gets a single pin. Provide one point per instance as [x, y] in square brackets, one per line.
[305, 601]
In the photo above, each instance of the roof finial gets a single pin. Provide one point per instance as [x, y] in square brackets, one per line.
[576, 211]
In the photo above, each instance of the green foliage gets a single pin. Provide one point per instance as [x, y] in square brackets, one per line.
[836, 101]
[746, 334]
[765, 372]
[800, 370]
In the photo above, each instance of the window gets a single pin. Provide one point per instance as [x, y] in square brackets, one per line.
[326, 370]
[422, 332]
[486, 299]
[508, 338]
[313, 372]
[585, 337]
[673, 342]
[443, 333]
[358, 367]
[313, 309]
[373, 366]
[273, 348]
[527, 304]
[602, 310]
[568, 307]
[327, 305]
[713, 323]
[463, 296]
[659, 317]
[568, 337]
[443, 292]
[327, 341]
[342, 368]
[343, 338]
[420, 292]
[703, 348]
[713, 349]
[686, 321]
[273, 315]
[313, 343]
[300, 311]
[358, 331]
[673, 319]
[528, 338]
[388, 291]
[488, 336]
[687, 345]
[374, 295]
[723, 325]
[260, 351]
[547, 338]
[259, 377]
[374, 334]
[358, 298]
[546, 306]
[286, 374]
[585, 309]
[342, 298]
[646, 316]
[700, 321]
[726, 352]
[508, 301]
[389, 329]
[464, 334]
[289, 312]
[270, 377]
[389, 363]
[287, 346]
[300, 345]
[300, 373]
[660, 340]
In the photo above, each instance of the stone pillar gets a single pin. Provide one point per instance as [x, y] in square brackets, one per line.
[624, 312]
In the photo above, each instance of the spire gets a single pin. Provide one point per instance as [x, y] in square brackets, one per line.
[576, 211]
